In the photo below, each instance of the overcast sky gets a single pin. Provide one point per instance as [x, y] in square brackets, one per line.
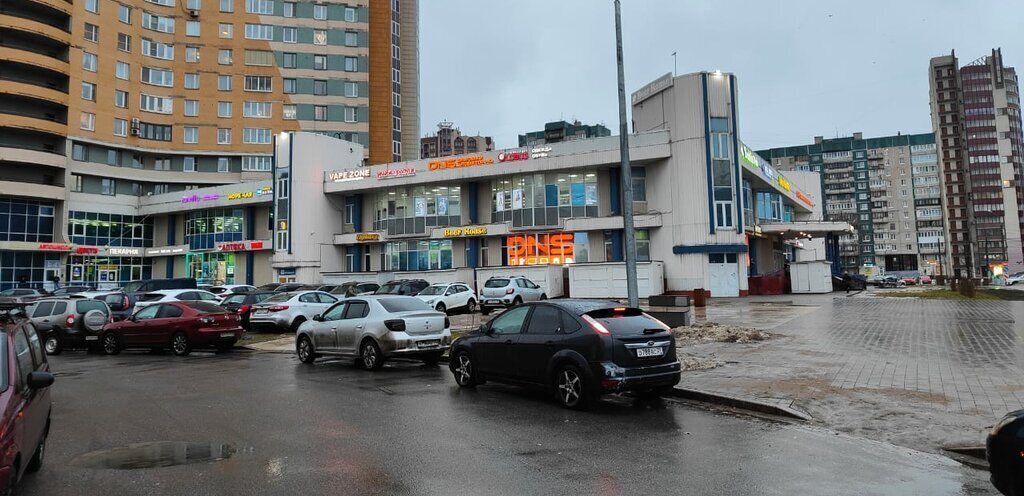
[805, 67]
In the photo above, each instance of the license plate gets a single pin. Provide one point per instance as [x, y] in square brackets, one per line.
[649, 352]
[428, 344]
[494, 302]
[227, 334]
[262, 310]
[92, 338]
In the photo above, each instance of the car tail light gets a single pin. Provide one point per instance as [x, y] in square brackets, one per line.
[447, 323]
[207, 320]
[597, 326]
[397, 325]
[70, 321]
[510, 291]
[125, 303]
[278, 308]
[244, 309]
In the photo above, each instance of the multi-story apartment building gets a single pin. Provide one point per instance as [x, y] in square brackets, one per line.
[976, 118]
[887, 188]
[558, 131]
[449, 140]
[104, 102]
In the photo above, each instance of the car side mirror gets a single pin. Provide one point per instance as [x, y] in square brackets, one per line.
[133, 318]
[39, 380]
[486, 329]
[318, 318]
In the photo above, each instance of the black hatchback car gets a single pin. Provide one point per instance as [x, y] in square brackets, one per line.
[579, 349]
[241, 303]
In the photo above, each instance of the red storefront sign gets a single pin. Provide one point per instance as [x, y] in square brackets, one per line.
[87, 250]
[240, 246]
[513, 155]
[54, 247]
[540, 249]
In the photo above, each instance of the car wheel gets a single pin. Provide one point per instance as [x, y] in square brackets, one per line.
[471, 306]
[54, 345]
[571, 387]
[295, 324]
[431, 359]
[304, 348]
[36, 462]
[180, 345]
[441, 308]
[517, 301]
[484, 310]
[111, 346]
[371, 355]
[464, 370]
[543, 297]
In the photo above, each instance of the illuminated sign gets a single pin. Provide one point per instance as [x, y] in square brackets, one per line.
[266, 190]
[749, 157]
[804, 198]
[86, 250]
[124, 251]
[198, 198]
[348, 175]
[540, 151]
[166, 250]
[368, 237]
[54, 247]
[513, 155]
[453, 163]
[247, 245]
[465, 231]
[784, 183]
[540, 249]
[240, 195]
[393, 173]
[282, 225]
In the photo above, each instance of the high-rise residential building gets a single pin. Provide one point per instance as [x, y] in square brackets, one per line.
[887, 188]
[103, 102]
[449, 140]
[976, 118]
[557, 131]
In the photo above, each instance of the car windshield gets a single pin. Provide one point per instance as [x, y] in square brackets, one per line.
[279, 298]
[204, 307]
[261, 296]
[236, 298]
[403, 304]
[7, 292]
[132, 287]
[434, 290]
[390, 288]
[496, 283]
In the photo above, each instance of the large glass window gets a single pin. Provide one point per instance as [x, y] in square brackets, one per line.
[418, 255]
[543, 199]
[639, 183]
[205, 228]
[26, 220]
[721, 171]
[415, 209]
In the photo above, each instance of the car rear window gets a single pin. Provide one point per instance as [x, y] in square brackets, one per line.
[235, 298]
[496, 283]
[82, 306]
[279, 298]
[262, 296]
[204, 307]
[625, 321]
[390, 288]
[403, 304]
[151, 297]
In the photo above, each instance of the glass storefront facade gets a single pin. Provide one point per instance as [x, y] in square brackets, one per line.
[416, 209]
[96, 229]
[205, 228]
[542, 199]
[35, 268]
[417, 255]
[26, 220]
[106, 272]
[211, 268]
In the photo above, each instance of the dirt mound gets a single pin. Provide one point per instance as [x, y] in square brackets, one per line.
[708, 332]
[693, 362]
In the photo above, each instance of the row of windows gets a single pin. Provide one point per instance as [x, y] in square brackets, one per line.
[26, 220]
[205, 228]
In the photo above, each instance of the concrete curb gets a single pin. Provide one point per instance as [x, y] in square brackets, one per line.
[741, 403]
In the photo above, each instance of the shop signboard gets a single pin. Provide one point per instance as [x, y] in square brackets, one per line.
[54, 247]
[802, 197]
[124, 251]
[396, 173]
[454, 163]
[286, 271]
[51, 264]
[540, 249]
[241, 195]
[784, 183]
[247, 245]
[200, 198]
[364, 237]
[166, 250]
[540, 151]
[86, 250]
[461, 232]
[748, 157]
[348, 175]
[513, 155]
[266, 190]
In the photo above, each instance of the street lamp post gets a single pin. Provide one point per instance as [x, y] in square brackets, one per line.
[627, 176]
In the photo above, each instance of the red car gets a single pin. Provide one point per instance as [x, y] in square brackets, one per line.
[24, 400]
[178, 325]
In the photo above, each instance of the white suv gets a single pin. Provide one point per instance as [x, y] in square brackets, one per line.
[287, 311]
[446, 297]
[508, 291]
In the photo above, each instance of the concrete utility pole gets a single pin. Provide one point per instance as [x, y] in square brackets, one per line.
[627, 176]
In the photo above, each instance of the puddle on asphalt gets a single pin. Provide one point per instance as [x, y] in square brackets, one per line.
[156, 454]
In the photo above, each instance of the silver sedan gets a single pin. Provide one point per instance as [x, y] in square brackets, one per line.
[375, 328]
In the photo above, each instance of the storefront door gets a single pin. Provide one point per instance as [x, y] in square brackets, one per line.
[724, 273]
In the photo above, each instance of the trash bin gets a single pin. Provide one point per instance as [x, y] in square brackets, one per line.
[1005, 453]
[700, 297]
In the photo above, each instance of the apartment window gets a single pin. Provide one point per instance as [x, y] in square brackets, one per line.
[192, 28]
[288, 112]
[120, 127]
[157, 23]
[396, 123]
[124, 14]
[227, 5]
[192, 54]
[396, 76]
[289, 9]
[350, 114]
[193, 4]
[256, 136]
[157, 104]
[223, 136]
[89, 61]
[226, 30]
[320, 62]
[396, 148]
[223, 109]
[165, 3]
[396, 99]
[157, 77]
[289, 60]
[257, 163]
[120, 99]
[265, 7]
[289, 86]
[191, 81]
[259, 57]
[92, 32]
[160, 189]
[157, 50]
[319, 86]
[189, 163]
[350, 14]
[223, 164]
[121, 70]
[259, 83]
[350, 89]
[191, 108]
[76, 183]
[320, 11]
[351, 38]
[79, 152]
[396, 53]
[319, 37]
[351, 64]
[191, 135]
[224, 82]
[88, 91]
[108, 186]
[259, 32]
[257, 109]
[289, 35]
[124, 42]
[319, 112]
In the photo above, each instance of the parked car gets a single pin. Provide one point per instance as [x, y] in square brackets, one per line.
[25, 402]
[287, 311]
[67, 290]
[121, 305]
[269, 287]
[1015, 278]
[1003, 450]
[508, 291]
[295, 286]
[20, 295]
[354, 288]
[242, 303]
[179, 325]
[136, 288]
[579, 349]
[892, 282]
[877, 280]
[446, 297]
[228, 289]
[856, 282]
[376, 328]
[926, 279]
[175, 295]
[406, 287]
[68, 322]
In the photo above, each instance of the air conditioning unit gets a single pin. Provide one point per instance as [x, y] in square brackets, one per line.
[193, 13]
[135, 127]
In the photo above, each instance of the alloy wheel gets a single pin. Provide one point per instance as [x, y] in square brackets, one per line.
[464, 371]
[570, 387]
[369, 356]
[304, 350]
[471, 306]
[180, 343]
[51, 345]
[109, 344]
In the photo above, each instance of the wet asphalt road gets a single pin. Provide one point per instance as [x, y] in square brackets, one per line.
[333, 429]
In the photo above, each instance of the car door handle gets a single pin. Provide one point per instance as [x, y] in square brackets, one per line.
[334, 328]
[360, 326]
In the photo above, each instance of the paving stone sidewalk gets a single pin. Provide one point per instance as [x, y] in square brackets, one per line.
[918, 373]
